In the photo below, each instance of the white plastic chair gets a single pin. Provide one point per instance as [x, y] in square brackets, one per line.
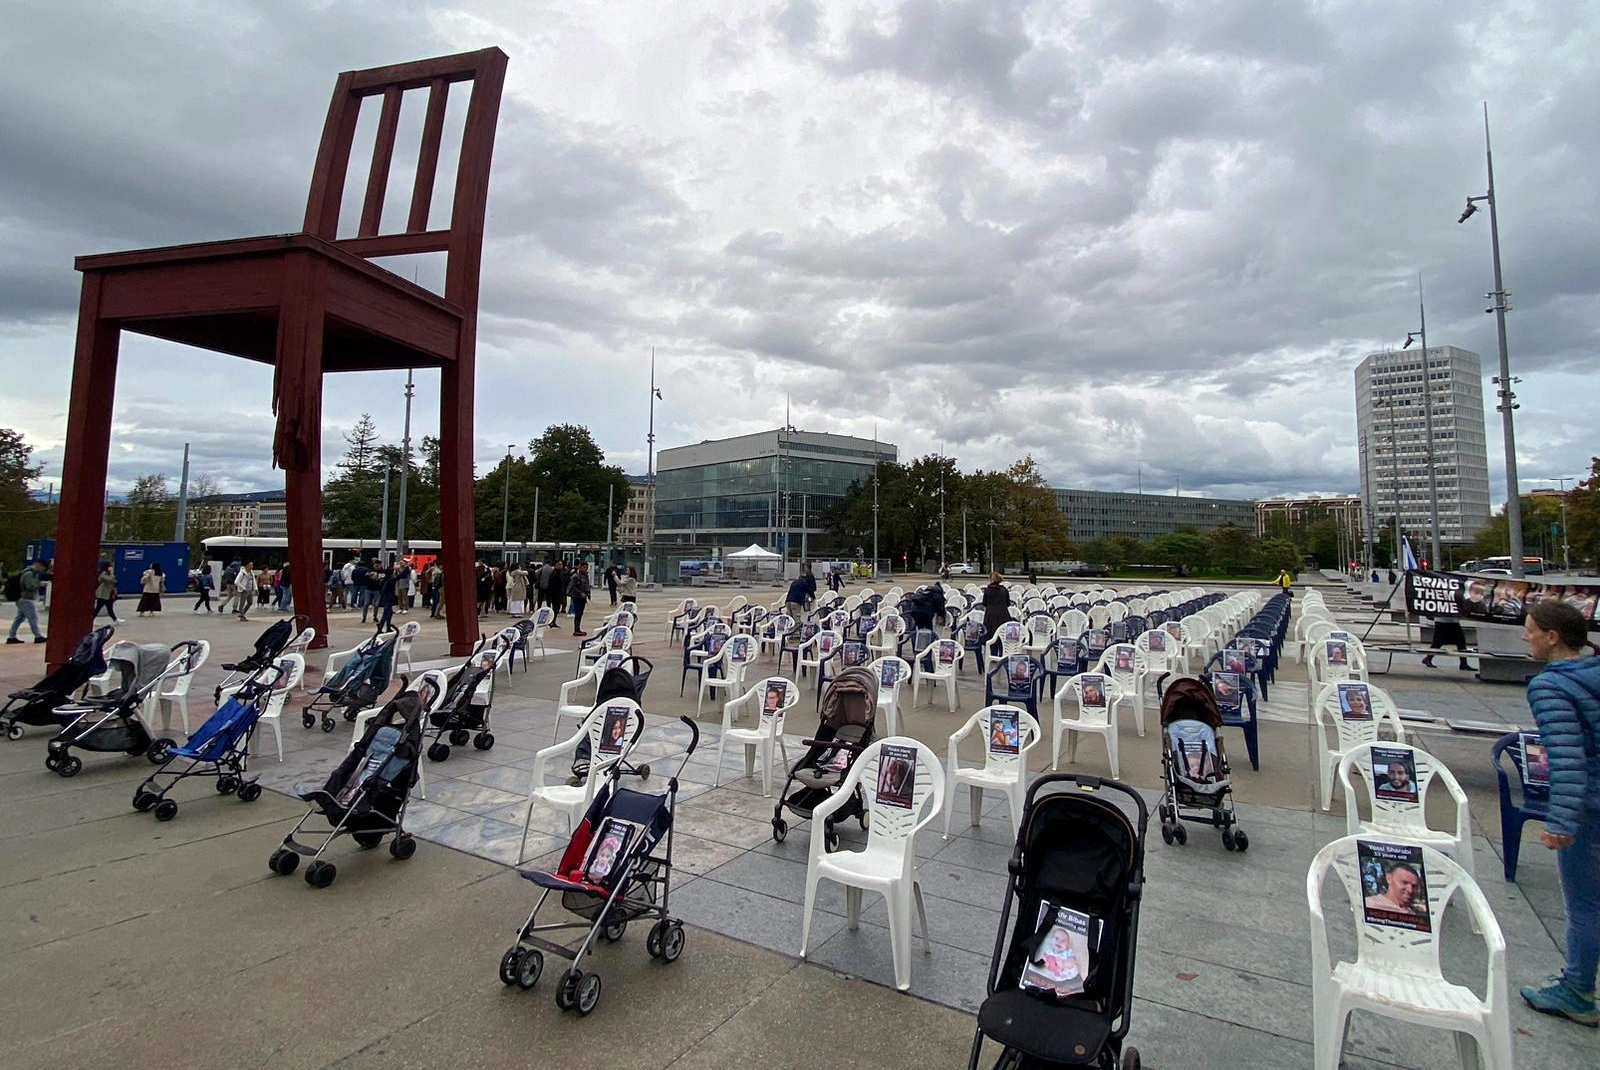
[679, 617]
[733, 659]
[814, 651]
[294, 670]
[890, 673]
[402, 645]
[1350, 731]
[1128, 679]
[1322, 669]
[612, 640]
[760, 742]
[777, 627]
[1002, 770]
[885, 638]
[1099, 720]
[1396, 972]
[1405, 819]
[174, 690]
[945, 656]
[302, 642]
[1156, 647]
[567, 702]
[1041, 633]
[573, 799]
[887, 864]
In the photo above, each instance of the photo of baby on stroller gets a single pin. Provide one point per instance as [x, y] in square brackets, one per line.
[616, 869]
[1197, 783]
[1060, 988]
[218, 749]
[366, 796]
[113, 723]
[357, 684]
[37, 706]
[849, 711]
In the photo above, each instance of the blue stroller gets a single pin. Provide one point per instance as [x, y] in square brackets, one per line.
[220, 749]
[357, 684]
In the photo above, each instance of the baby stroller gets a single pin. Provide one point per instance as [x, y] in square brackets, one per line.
[1194, 766]
[269, 645]
[463, 713]
[357, 684]
[366, 795]
[220, 749]
[111, 723]
[849, 710]
[40, 703]
[1060, 987]
[625, 677]
[610, 874]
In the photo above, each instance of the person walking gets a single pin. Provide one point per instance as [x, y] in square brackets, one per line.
[230, 590]
[542, 581]
[23, 589]
[383, 615]
[996, 604]
[349, 593]
[1447, 631]
[150, 585]
[579, 590]
[628, 587]
[836, 580]
[611, 581]
[105, 593]
[435, 589]
[801, 592]
[517, 591]
[425, 587]
[485, 589]
[560, 582]
[205, 583]
[371, 583]
[1284, 582]
[1565, 700]
[245, 584]
[500, 574]
[284, 594]
[402, 586]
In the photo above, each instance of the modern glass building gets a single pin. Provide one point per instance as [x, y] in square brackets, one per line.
[765, 488]
[1106, 514]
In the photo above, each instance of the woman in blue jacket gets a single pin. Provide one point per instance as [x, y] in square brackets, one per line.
[1565, 699]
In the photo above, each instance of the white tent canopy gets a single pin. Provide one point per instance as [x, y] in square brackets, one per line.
[753, 553]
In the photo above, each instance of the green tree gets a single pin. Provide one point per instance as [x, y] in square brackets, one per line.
[1181, 548]
[1109, 552]
[1233, 551]
[21, 518]
[1323, 543]
[1583, 517]
[352, 501]
[149, 512]
[1275, 554]
[1540, 516]
[1035, 527]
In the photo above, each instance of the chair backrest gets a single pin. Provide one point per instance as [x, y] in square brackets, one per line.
[1073, 622]
[1018, 676]
[944, 655]
[1096, 693]
[1011, 635]
[1041, 629]
[902, 784]
[776, 695]
[1337, 659]
[779, 625]
[1121, 661]
[1357, 710]
[1008, 732]
[1156, 646]
[1397, 778]
[294, 671]
[462, 241]
[741, 650]
[891, 673]
[1515, 748]
[543, 618]
[822, 645]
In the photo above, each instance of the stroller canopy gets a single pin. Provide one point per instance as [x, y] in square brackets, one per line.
[1189, 699]
[851, 699]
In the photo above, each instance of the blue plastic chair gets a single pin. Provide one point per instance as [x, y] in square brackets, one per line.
[1534, 805]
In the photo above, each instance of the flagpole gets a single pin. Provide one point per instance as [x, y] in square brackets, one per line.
[650, 477]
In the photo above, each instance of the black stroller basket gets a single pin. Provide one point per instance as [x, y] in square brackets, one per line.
[1080, 854]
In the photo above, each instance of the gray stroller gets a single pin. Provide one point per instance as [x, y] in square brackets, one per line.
[849, 711]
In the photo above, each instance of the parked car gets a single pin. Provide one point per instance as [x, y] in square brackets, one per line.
[1086, 569]
[962, 568]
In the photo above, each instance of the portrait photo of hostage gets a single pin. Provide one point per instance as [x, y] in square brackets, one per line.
[897, 776]
[1225, 688]
[1394, 885]
[1394, 774]
[1585, 600]
[1338, 653]
[1510, 602]
[1094, 692]
[1355, 702]
[772, 702]
[1122, 660]
[614, 729]
[1477, 596]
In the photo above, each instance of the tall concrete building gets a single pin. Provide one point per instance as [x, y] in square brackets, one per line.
[1110, 514]
[1391, 426]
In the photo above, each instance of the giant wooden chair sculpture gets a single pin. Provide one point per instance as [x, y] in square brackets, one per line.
[307, 303]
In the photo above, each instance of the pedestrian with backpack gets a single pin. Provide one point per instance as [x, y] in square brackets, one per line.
[23, 589]
[206, 583]
[105, 593]
[230, 591]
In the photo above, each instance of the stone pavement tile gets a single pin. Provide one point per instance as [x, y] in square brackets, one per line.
[423, 816]
[778, 878]
[1213, 933]
[977, 887]
[764, 920]
[950, 922]
[495, 840]
[709, 824]
[692, 854]
[507, 778]
[1172, 1037]
[1252, 1000]
[973, 853]
[504, 753]
[462, 764]
[538, 818]
[948, 975]
[473, 798]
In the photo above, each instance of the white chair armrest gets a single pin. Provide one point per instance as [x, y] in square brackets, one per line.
[567, 746]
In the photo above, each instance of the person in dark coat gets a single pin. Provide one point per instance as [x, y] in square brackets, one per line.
[801, 592]
[611, 582]
[386, 596]
[996, 604]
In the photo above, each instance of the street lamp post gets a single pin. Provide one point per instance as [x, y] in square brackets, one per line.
[1504, 380]
[405, 469]
[942, 559]
[1394, 462]
[383, 525]
[1566, 545]
[505, 507]
[650, 477]
[1369, 507]
[1421, 335]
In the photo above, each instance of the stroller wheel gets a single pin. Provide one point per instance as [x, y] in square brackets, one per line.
[438, 752]
[567, 990]
[588, 993]
[51, 762]
[644, 771]
[160, 751]
[652, 942]
[308, 719]
[1241, 840]
[1228, 840]
[14, 732]
[166, 810]
[367, 840]
[403, 847]
[69, 765]
[510, 963]
[1180, 834]
[349, 715]
[780, 829]
[320, 874]
[145, 801]
[459, 736]
[1130, 1059]
[672, 942]
[283, 861]
[483, 740]
[861, 819]
[614, 931]
[327, 723]
[227, 785]
[830, 838]
[249, 792]
[529, 966]
[1166, 835]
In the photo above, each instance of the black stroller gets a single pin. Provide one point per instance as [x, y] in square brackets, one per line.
[1194, 766]
[849, 713]
[218, 749]
[610, 874]
[39, 704]
[357, 684]
[366, 795]
[1060, 985]
[463, 713]
[625, 677]
[112, 723]
[269, 644]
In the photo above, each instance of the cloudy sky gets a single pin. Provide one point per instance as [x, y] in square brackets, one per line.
[1120, 235]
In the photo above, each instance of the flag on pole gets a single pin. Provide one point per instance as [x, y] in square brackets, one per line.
[1409, 558]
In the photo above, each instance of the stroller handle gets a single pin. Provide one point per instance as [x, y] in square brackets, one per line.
[1089, 782]
[694, 735]
[841, 743]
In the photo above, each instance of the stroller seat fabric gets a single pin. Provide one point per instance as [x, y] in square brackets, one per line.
[1056, 1032]
[1194, 751]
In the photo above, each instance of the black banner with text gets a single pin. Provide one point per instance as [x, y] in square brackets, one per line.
[1494, 599]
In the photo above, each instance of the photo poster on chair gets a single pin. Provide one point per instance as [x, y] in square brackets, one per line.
[1237, 659]
[619, 638]
[1066, 653]
[1174, 629]
[1394, 774]
[1338, 652]
[1355, 702]
[609, 850]
[613, 729]
[1343, 637]
[1394, 885]
[1122, 659]
[1535, 761]
[854, 653]
[1156, 639]
[1093, 691]
[741, 648]
[1005, 731]
[1058, 964]
[1225, 687]
[888, 674]
[947, 654]
[897, 775]
[772, 699]
[1019, 671]
[1095, 641]
[615, 659]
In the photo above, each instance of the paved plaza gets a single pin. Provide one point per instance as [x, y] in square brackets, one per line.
[141, 942]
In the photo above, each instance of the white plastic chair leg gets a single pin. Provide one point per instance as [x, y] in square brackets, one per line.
[922, 916]
[1112, 747]
[277, 736]
[716, 777]
[949, 799]
[975, 799]
[805, 914]
[952, 696]
[1055, 742]
[899, 903]
[852, 907]
[1328, 1035]
[1138, 713]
